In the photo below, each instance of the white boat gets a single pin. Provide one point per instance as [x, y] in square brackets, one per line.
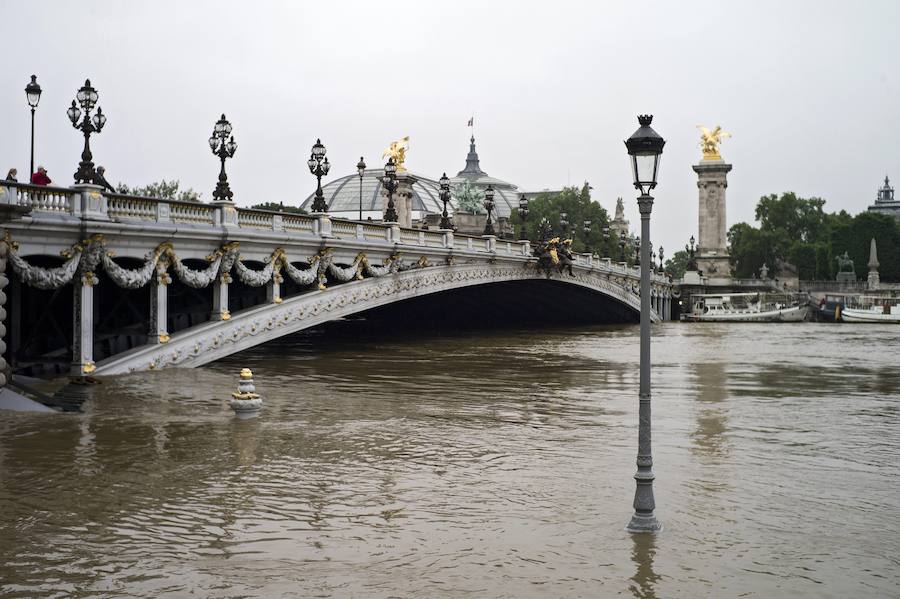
[872, 309]
[748, 307]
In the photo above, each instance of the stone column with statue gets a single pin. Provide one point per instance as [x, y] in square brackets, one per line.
[712, 251]
[404, 192]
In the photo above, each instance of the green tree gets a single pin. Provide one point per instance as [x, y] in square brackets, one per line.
[162, 189]
[578, 206]
[279, 207]
[677, 264]
[750, 249]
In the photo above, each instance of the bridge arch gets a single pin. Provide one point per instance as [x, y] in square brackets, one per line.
[213, 340]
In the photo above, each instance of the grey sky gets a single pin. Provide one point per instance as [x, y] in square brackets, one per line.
[810, 91]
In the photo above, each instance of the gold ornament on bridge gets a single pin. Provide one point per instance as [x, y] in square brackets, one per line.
[710, 140]
[397, 150]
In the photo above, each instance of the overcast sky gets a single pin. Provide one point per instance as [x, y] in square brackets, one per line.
[810, 91]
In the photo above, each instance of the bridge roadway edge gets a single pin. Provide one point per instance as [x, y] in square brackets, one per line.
[214, 340]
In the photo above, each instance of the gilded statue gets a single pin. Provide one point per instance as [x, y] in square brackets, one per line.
[397, 150]
[710, 140]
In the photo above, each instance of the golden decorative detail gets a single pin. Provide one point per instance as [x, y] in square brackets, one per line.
[397, 150]
[278, 300]
[246, 373]
[423, 262]
[225, 315]
[152, 365]
[88, 367]
[163, 337]
[94, 195]
[710, 140]
[89, 279]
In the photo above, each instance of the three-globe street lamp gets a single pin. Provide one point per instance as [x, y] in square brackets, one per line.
[523, 216]
[222, 144]
[563, 222]
[586, 228]
[445, 198]
[606, 241]
[87, 97]
[489, 206]
[622, 242]
[644, 147]
[389, 180]
[361, 169]
[33, 95]
[319, 167]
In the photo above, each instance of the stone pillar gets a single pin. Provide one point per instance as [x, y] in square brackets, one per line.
[874, 280]
[83, 324]
[226, 214]
[402, 199]
[220, 297]
[712, 250]
[91, 205]
[159, 307]
[4, 371]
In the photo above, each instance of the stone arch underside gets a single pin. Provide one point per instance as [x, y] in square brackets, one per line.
[213, 340]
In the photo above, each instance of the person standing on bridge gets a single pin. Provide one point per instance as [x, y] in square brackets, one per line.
[11, 175]
[101, 180]
[40, 177]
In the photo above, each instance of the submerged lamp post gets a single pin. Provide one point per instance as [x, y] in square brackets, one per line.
[389, 180]
[361, 169]
[644, 147]
[489, 206]
[318, 166]
[222, 144]
[523, 216]
[445, 198]
[87, 98]
[33, 95]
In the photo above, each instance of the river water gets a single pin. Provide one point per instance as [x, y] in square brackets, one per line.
[472, 464]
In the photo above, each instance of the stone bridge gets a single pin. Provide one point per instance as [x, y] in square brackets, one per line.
[107, 283]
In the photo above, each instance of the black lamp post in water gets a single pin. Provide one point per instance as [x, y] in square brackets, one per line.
[222, 144]
[33, 95]
[445, 198]
[361, 169]
[523, 216]
[319, 167]
[644, 147]
[389, 180]
[489, 206]
[87, 97]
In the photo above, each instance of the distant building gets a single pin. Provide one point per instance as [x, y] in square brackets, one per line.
[885, 202]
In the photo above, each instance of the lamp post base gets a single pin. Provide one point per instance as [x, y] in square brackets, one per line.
[644, 523]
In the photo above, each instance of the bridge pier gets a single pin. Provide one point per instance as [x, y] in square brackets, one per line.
[83, 324]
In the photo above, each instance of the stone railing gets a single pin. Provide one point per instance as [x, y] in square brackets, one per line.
[38, 198]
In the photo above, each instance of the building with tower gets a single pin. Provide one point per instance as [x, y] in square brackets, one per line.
[885, 202]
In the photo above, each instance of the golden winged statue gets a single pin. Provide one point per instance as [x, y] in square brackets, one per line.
[397, 150]
[710, 140]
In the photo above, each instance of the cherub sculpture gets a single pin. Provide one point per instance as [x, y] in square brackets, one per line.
[397, 150]
[710, 140]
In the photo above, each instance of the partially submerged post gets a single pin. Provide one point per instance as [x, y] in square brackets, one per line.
[245, 402]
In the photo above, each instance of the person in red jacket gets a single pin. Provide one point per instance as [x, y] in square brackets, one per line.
[40, 177]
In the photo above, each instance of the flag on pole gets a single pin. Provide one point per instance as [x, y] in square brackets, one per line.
[471, 122]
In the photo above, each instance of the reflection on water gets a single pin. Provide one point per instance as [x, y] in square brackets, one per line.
[490, 465]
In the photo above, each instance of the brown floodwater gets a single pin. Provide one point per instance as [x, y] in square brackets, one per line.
[471, 464]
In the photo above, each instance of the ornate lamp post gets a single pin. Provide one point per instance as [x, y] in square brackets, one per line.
[563, 222]
[489, 206]
[361, 169]
[318, 166]
[692, 262]
[33, 95]
[637, 252]
[622, 242]
[87, 97]
[523, 216]
[606, 241]
[587, 232]
[545, 229]
[445, 197]
[222, 144]
[644, 147]
[661, 267]
[389, 180]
